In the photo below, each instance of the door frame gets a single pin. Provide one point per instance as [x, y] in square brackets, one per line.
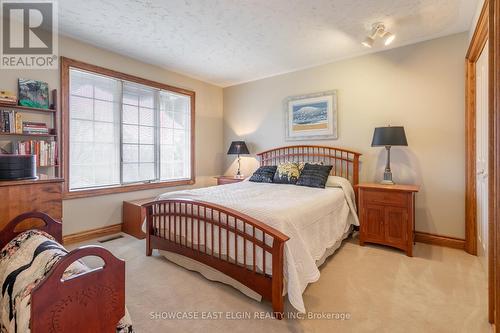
[476, 46]
[494, 156]
[487, 30]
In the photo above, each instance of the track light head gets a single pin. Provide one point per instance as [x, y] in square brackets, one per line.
[368, 42]
[388, 38]
[378, 30]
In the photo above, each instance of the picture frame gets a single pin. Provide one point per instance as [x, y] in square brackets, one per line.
[33, 93]
[311, 116]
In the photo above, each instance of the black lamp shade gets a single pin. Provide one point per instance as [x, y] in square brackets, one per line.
[389, 136]
[238, 148]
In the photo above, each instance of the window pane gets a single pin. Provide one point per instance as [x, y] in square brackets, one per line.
[167, 153]
[139, 109]
[130, 134]
[82, 153]
[179, 170]
[81, 130]
[107, 89]
[94, 143]
[147, 116]
[130, 153]
[106, 111]
[166, 136]
[181, 104]
[81, 84]
[175, 145]
[105, 133]
[81, 176]
[146, 135]
[166, 119]
[104, 173]
[130, 114]
[147, 171]
[147, 153]
[103, 153]
[147, 98]
[179, 120]
[130, 172]
[81, 107]
[130, 95]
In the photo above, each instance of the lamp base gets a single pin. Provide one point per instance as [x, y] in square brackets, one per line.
[387, 178]
[239, 176]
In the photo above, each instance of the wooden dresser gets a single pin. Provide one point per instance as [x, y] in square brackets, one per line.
[387, 215]
[21, 196]
[223, 180]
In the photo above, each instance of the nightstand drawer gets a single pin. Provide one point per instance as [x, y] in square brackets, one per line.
[386, 198]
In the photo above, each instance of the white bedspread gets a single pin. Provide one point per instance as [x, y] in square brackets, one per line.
[314, 219]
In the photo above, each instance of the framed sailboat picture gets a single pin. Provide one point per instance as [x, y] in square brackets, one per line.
[311, 117]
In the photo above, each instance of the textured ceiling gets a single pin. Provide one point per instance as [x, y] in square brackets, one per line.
[226, 42]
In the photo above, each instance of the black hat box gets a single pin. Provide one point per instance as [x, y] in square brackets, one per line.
[17, 167]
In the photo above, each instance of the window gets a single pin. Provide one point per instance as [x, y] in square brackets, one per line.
[94, 131]
[123, 133]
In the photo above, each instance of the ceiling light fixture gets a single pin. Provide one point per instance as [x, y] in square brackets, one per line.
[368, 42]
[378, 30]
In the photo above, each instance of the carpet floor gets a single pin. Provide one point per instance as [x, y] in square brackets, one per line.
[361, 289]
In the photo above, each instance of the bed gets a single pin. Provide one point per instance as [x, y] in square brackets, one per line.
[269, 239]
[48, 289]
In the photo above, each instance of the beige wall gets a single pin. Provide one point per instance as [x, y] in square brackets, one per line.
[89, 213]
[419, 86]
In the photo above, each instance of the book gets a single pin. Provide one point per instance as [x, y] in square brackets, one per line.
[12, 122]
[8, 97]
[45, 151]
[29, 127]
[19, 123]
[8, 101]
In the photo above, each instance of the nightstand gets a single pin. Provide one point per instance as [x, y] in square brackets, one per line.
[223, 180]
[133, 216]
[387, 215]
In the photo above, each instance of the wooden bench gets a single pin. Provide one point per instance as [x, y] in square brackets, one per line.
[133, 216]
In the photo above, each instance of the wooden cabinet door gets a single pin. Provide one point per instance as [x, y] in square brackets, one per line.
[41, 197]
[396, 225]
[373, 223]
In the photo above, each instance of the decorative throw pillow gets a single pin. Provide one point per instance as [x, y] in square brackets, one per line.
[264, 174]
[314, 175]
[303, 164]
[287, 173]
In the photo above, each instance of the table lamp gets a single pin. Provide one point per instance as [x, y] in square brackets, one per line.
[389, 136]
[238, 148]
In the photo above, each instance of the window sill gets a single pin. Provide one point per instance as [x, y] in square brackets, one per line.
[124, 188]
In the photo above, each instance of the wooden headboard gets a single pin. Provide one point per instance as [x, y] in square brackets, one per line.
[345, 162]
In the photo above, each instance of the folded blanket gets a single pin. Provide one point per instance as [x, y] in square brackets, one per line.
[24, 262]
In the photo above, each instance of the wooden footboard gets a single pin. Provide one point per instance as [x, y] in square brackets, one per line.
[229, 241]
[93, 301]
[15, 227]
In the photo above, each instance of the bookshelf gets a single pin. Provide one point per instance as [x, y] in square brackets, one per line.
[28, 134]
[25, 108]
[47, 145]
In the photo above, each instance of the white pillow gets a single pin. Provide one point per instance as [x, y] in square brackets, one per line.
[336, 181]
